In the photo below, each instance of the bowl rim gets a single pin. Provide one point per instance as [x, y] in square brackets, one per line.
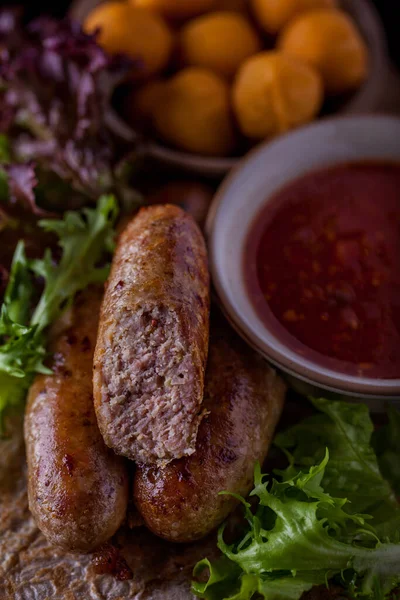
[208, 165]
[366, 99]
[293, 364]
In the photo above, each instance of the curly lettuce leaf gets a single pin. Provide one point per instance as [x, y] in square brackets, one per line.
[222, 579]
[21, 349]
[19, 293]
[300, 533]
[301, 537]
[353, 471]
[24, 352]
[226, 581]
[84, 239]
[387, 445]
[298, 537]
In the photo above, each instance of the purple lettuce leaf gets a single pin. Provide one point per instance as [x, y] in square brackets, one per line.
[55, 85]
[22, 181]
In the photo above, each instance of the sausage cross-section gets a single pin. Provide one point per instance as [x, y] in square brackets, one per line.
[244, 399]
[77, 487]
[152, 345]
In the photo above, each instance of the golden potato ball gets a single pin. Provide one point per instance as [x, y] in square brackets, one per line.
[194, 113]
[220, 41]
[177, 9]
[274, 93]
[272, 15]
[137, 32]
[329, 41]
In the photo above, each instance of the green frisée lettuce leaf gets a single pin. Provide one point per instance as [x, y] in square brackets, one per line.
[20, 359]
[302, 530]
[84, 238]
[225, 580]
[353, 471]
[21, 351]
[19, 293]
[222, 580]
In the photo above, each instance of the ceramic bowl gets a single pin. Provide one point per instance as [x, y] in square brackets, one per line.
[366, 100]
[250, 187]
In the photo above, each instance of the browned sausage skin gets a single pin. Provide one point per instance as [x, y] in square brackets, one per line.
[153, 338]
[77, 487]
[244, 397]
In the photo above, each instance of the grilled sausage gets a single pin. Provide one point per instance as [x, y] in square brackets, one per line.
[244, 399]
[153, 338]
[77, 487]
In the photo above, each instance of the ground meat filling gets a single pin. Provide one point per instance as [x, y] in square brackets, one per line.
[150, 375]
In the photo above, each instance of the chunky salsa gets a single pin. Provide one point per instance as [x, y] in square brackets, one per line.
[322, 265]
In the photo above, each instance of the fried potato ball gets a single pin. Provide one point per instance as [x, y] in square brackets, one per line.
[273, 93]
[272, 15]
[329, 41]
[137, 32]
[194, 113]
[177, 9]
[220, 41]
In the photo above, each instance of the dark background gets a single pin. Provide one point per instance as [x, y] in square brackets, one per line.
[389, 10]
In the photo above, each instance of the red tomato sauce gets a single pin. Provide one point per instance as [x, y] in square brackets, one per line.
[322, 266]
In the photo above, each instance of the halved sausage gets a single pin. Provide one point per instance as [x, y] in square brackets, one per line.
[153, 338]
